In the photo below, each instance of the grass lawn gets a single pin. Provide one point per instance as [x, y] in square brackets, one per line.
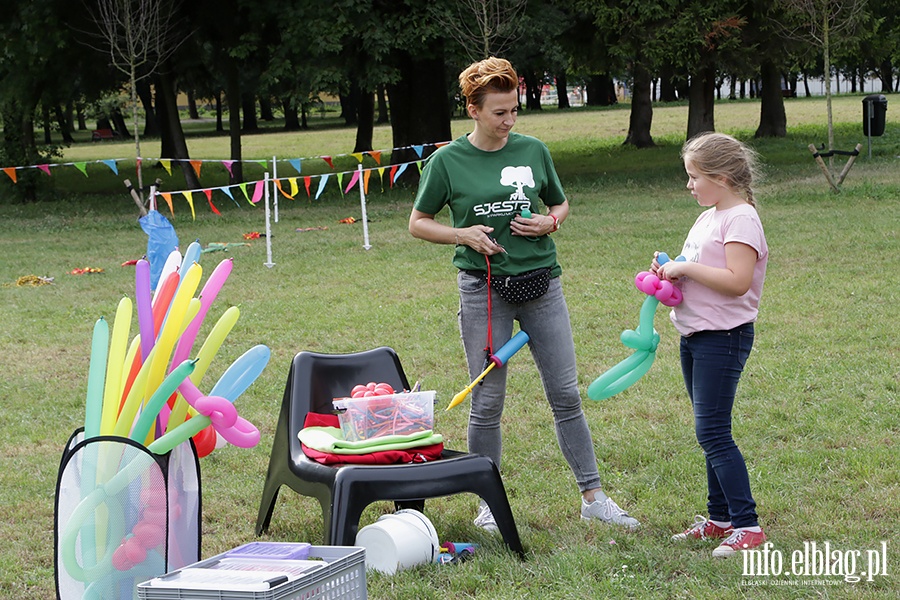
[817, 414]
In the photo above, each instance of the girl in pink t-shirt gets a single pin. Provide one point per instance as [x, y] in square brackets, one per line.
[721, 279]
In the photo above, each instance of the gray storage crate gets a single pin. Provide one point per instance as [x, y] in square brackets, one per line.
[343, 577]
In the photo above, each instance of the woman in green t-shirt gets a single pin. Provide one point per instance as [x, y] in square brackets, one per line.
[495, 183]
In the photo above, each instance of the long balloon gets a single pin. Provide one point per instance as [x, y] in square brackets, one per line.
[498, 359]
[141, 428]
[96, 371]
[119, 341]
[207, 351]
[144, 306]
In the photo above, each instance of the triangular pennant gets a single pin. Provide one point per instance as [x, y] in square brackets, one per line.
[209, 199]
[357, 155]
[294, 188]
[227, 190]
[281, 189]
[168, 198]
[258, 192]
[419, 166]
[393, 174]
[441, 144]
[295, 162]
[228, 164]
[328, 160]
[11, 173]
[376, 154]
[306, 182]
[418, 150]
[167, 165]
[322, 181]
[340, 178]
[243, 187]
[44, 168]
[81, 167]
[199, 163]
[400, 170]
[366, 175]
[353, 180]
[112, 165]
[187, 196]
[263, 163]
[381, 177]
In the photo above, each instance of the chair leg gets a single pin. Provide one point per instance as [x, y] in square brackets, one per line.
[503, 516]
[267, 506]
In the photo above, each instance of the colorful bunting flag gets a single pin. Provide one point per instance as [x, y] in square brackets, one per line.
[11, 173]
[187, 196]
[81, 166]
[295, 162]
[112, 165]
[322, 181]
[258, 192]
[209, 199]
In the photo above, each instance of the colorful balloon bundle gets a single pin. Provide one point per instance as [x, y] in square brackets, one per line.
[149, 392]
[117, 530]
[643, 339]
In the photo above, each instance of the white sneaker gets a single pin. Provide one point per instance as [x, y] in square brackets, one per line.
[609, 512]
[485, 518]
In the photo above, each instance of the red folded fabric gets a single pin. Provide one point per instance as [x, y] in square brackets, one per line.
[382, 457]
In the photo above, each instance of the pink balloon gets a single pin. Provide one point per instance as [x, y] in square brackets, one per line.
[207, 295]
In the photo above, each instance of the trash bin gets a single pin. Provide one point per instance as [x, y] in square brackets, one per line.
[874, 110]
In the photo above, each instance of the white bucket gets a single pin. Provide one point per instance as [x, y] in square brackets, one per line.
[398, 541]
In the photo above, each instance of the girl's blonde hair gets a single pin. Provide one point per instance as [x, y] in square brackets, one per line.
[717, 155]
[487, 76]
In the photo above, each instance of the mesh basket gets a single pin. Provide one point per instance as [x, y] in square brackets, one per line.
[123, 515]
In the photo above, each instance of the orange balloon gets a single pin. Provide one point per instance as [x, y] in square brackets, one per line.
[205, 441]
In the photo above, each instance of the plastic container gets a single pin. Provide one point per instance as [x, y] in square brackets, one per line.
[399, 541]
[342, 576]
[273, 550]
[378, 416]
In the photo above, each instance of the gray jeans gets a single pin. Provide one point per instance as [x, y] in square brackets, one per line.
[546, 321]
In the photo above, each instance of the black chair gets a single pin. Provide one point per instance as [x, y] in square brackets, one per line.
[345, 491]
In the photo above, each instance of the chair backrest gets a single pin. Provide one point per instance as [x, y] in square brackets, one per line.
[316, 379]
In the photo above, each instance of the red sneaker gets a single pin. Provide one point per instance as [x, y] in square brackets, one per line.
[740, 539]
[703, 529]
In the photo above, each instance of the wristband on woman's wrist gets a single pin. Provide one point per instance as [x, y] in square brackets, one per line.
[555, 223]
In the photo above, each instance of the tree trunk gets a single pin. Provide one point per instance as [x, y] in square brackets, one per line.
[420, 106]
[772, 119]
[350, 105]
[641, 117]
[119, 124]
[233, 96]
[562, 91]
[365, 121]
[383, 116]
[219, 125]
[65, 125]
[45, 124]
[601, 91]
[291, 120]
[192, 105]
[151, 123]
[533, 89]
[265, 109]
[171, 133]
[885, 73]
[667, 91]
[248, 107]
[701, 101]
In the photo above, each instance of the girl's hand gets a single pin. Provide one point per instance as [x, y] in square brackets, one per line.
[654, 264]
[671, 271]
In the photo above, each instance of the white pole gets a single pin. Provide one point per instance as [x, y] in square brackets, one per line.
[268, 262]
[362, 205]
[274, 191]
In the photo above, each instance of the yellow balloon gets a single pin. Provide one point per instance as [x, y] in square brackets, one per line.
[134, 399]
[171, 328]
[113, 390]
[212, 344]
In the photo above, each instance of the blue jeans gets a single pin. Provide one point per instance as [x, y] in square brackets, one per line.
[546, 321]
[712, 363]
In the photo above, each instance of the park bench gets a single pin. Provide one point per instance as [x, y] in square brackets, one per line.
[103, 134]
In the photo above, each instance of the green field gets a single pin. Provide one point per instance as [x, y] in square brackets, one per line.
[817, 415]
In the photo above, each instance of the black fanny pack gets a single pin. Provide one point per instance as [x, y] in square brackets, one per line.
[518, 289]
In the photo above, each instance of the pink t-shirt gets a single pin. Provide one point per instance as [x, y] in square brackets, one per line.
[704, 309]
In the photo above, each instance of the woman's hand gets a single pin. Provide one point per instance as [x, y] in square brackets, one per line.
[535, 226]
[478, 238]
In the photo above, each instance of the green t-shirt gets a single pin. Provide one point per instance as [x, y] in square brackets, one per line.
[491, 188]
